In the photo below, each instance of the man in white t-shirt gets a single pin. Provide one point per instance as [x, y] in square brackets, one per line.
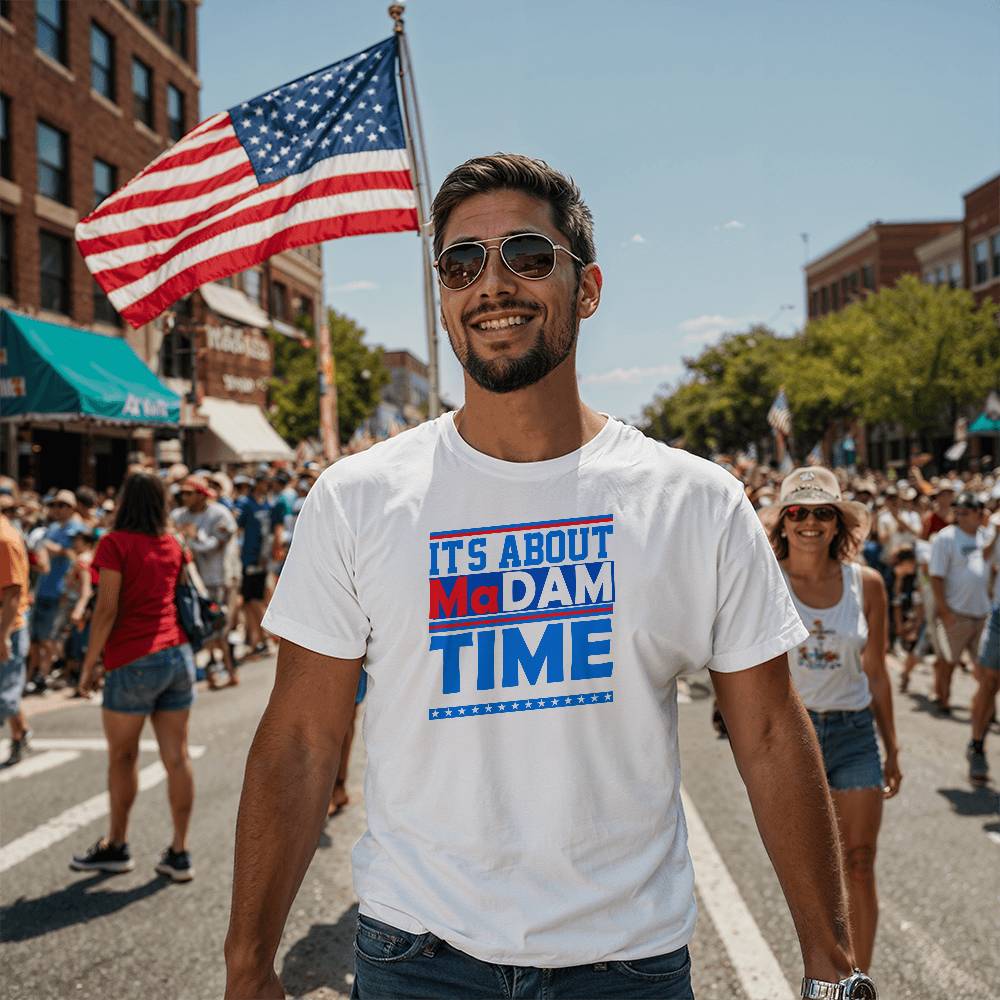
[524, 581]
[899, 527]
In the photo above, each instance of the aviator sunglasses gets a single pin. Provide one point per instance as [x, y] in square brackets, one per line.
[528, 255]
[798, 512]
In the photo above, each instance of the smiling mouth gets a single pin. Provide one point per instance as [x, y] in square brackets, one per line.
[810, 534]
[500, 323]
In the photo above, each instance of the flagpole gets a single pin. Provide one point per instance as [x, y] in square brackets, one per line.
[421, 175]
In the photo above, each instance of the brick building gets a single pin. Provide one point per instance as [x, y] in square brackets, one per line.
[981, 240]
[90, 92]
[872, 259]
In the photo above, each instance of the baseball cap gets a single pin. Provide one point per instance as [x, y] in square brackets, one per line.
[968, 501]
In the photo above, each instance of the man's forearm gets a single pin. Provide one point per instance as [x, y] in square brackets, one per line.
[10, 598]
[940, 604]
[786, 782]
[286, 790]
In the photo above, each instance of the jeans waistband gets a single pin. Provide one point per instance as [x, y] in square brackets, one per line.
[839, 715]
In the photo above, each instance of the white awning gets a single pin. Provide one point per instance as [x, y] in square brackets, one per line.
[233, 304]
[238, 432]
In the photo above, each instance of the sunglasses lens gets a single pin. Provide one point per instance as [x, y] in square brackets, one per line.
[531, 256]
[460, 265]
[824, 513]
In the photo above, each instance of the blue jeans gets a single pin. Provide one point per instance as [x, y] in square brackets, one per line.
[850, 750]
[392, 964]
[160, 682]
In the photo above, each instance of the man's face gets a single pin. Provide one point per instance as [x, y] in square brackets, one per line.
[504, 360]
[60, 511]
[967, 519]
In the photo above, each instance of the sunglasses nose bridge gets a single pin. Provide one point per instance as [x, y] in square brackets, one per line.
[495, 275]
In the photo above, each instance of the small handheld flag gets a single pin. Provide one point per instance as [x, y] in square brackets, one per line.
[321, 157]
[779, 417]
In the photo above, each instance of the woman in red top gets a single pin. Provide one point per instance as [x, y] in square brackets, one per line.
[149, 670]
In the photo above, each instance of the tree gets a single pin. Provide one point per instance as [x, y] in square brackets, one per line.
[360, 377]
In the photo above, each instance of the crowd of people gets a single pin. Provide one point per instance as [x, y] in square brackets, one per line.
[235, 533]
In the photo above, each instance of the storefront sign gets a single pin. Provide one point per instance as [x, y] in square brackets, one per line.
[240, 342]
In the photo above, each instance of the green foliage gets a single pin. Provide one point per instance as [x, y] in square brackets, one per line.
[913, 355]
[359, 372]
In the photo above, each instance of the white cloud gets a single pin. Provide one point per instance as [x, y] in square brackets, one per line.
[629, 376]
[731, 224]
[637, 238]
[702, 329]
[354, 286]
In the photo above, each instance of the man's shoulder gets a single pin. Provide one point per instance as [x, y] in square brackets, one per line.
[386, 461]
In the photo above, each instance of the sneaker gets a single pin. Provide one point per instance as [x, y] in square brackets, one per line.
[979, 770]
[18, 748]
[176, 865]
[104, 857]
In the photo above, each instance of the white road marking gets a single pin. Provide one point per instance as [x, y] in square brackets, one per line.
[994, 836]
[68, 822]
[33, 765]
[752, 959]
[83, 743]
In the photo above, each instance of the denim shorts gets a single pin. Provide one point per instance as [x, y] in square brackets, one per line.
[44, 615]
[850, 750]
[392, 964]
[12, 673]
[989, 648]
[160, 682]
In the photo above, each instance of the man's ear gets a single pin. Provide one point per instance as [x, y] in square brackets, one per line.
[588, 296]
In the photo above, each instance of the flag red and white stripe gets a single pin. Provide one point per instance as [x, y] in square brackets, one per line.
[200, 211]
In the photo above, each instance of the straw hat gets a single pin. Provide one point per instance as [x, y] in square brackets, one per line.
[817, 487]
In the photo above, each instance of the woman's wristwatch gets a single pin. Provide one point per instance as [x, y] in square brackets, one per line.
[856, 986]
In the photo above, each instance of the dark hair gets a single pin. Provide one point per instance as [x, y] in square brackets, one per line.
[142, 505]
[513, 172]
[843, 547]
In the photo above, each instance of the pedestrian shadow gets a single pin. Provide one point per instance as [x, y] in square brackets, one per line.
[78, 903]
[923, 703]
[324, 957]
[974, 802]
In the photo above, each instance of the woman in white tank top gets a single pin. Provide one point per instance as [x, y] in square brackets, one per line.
[840, 671]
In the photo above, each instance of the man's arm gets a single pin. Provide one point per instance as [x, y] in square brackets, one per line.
[10, 599]
[779, 760]
[286, 790]
[941, 608]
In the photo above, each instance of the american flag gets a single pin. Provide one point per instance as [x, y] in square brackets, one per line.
[780, 416]
[318, 158]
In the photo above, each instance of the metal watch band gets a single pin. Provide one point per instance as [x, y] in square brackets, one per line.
[816, 989]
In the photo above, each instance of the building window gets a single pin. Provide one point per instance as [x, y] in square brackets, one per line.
[105, 180]
[53, 170]
[142, 92]
[304, 311]
[868, 277]
[102, 62]
[813, 303]
[995, 245]
[54, 254]
[930, 278]
[279, 300]
[980, 262]
[5, 142]
[149, 13]
[251, 285]
[175, 355]
[5, 9]
[175, 112]
[6, 254]
[104, 311]
[50, 28]
[177, 27]
[824, 299]
[835, 296]
[955, 274]
[852, 284]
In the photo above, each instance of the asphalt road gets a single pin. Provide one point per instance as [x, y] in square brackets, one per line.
[66, 934]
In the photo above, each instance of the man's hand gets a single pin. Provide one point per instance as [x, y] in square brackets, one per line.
[89, 676]
[250, 988]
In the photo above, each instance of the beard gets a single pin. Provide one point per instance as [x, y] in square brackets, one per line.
[502, 375]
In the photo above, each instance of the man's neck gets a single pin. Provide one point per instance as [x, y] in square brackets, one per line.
[543, 421]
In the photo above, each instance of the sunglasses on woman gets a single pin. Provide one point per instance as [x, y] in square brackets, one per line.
[528, 255]
[799, 512]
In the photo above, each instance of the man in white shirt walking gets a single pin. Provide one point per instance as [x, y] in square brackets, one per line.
[524, 582]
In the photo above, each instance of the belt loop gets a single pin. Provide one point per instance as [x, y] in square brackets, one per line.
[431, 947]
[600, 966]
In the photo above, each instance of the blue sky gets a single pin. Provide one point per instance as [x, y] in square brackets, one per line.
[706, 135]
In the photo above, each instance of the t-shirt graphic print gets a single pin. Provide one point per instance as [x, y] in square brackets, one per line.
[532, 606]
[523, 625]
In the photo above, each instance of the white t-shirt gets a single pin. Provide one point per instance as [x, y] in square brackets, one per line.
[894, 537]
[957, 557]
[524, 626]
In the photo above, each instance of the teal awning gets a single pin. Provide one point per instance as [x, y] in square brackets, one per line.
[985, 424]
[53, 372]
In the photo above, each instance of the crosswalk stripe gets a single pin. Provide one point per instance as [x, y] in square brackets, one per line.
[81, 743]
[752, 959]
[34, 765]
[69, 821]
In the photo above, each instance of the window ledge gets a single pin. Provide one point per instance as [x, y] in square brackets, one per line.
[51, 316]
[7, 26]
[986, 284]
[105, 329]
[10, 192]
[54, 211]
[54, 65]
[106, 103]
[143, 129]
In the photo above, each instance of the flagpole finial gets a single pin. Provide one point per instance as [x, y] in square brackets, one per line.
[396, 11]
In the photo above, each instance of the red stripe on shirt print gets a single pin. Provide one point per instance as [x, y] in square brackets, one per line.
[304, 234]
[112, 278]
